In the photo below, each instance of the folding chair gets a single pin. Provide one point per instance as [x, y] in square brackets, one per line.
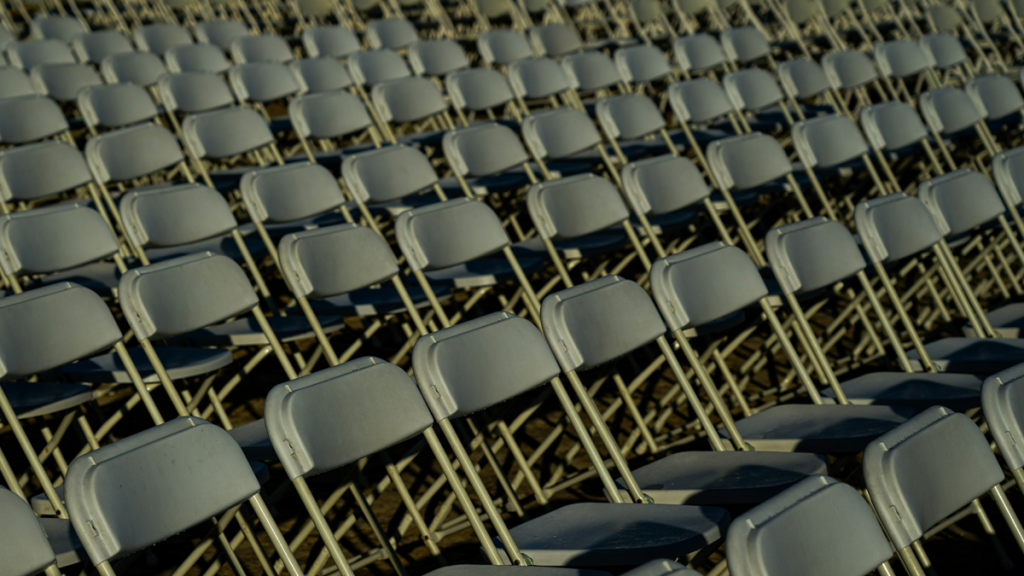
[541, 79]
[63, 28]
[15, 83]
[108, 492]
[486, 158]
[95, 46]
[260, 83]
[263, 48]
[325, 119]
[892, 127]
[901, 470]
[950, 112]
[698, 53]
[321, 74]
[437, 58]
[26, 174]
[746, 45]
[29, 53]
[642, 64]
[804, 79]
[457, 375]
[142, 68]
[375, 186]
[755, 90]
[26, 549]
[220, 32]
[566, 138]
[414, 102]
[160, 37]
[115, 106]
[391, 33]
[196, 58]
[592, 72]
[555, 40]
[819, 525]
[31, 118]
[480, 90]
[627, 119]
[997, 98]
[852, 71]
[226, 135]
[63, 81]
[503, 46]
[899, 60]
[193, 92]
[330, 42]
[945, 52]
[999, 402]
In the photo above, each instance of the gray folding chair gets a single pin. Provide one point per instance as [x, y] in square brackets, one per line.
[943, 50]
[321, 74]
[437, 57]
[327, 117]
[899, 60]
[375, 186]
[142, 68]
[458, 374]
[1000, 400]
[893, 126]
[817, 526]
[220, 32]
[413, 108]
[914, 488]
[193, 92]
[996, 97]
[24, 544]
[375, 66]
[263, 48]
[698, 53]
[260, 83]
[63, 28]
[196, 58]
[63, 81]
[629, 118]
[755, 90]
[592, 71]
[15, 83]
[26, 173]
[642, 64]
[852, 71]
[804, 79]
[93, 47]
[745, 44]
[502, 46]
[541, 79]
[391, 33]
[115, 106]
[29, 119]
[480, 90]
[222, 135]
[564, 135]
[950, 111]
[29, 53]
[186, 459]
[485, 157]
[330, 42]
[160, 37]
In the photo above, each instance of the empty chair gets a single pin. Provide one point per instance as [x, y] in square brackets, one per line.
[642, 63]
[698, 53]
[223, 134]
[484, 158]
[330, 42]
[30, 118]
[15, 83]
[263, 82]
[371, 181]
[555, 39]
[376, 66]
[160, 37]
[893, 126]
[24, 545]
[26, 172]
[537, 78]
[943, 51]
[262, 48]
[849, 69]
[699, 102]
[745, 44]
[437, 57]
[63, 28]
[591, 71]
[900, 59]
[115, 105]
[391, 33]
[329, 116]
[995, 96]
[999, 400]
[29, 53]
[803, 78]
[817, 526]
[828, 142]
[191, 92]
[949, 111]
[95, 46]
[631, 117]
[196, 58]
[142, 68]
[220, 32]
[478, 90]
[755, 90]
[321, 74]
[63, 81]
[561, 134]
[409, 100]
[503, 46]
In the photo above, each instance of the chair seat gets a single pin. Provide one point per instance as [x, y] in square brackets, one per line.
[66, 544]
[972, 355]
[666, 223]
[920, 390]
[601, 534]
[32, 399]
[824, 429]
[482, 272]
[1007, 321]
[587, 246]
[246, 331]
[374, 301]
[179, 362]
[723, 478]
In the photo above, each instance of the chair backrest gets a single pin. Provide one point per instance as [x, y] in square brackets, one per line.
[481, 363]
[699, 101]
[629, 116]
[30, 118]
[698, 52]
[943, 18]
[334, 260]
[371, 176]
[1008, 172]
[95, 46]
[949, 110]
[160, 37]
[48, 327]
[391, 33]
[330, 42]
[38, 170]
[995, 96]
[328, 115]
[596, 322]
[449, 233]
[900, 58]
[290, 192]
[803, 78]
[575, 206]
[1001, 401]
[175, 215]
[53, 238]
[408, 99]
[63, 28]
[752, 89]
[196, 58]
[142, 68]
[184, 294]
[478, 89]
[63, 81]
[150, 486]
[15, 83]
[262, 48]
[503, 46]
[23, 543]
[263, 81]
[942, 50]
[338, 415]
[375, 66]
[812, 254]
[663, 184]
[745, 44]
[961, 201]
[220, 32]
[115, 105]
[590, 71]
[827, 141]
[537, 78]
[29, 53]
[225, 133]
[892, 125]
[555, 39]
[926, 469]
[747, 161]
[703, 284]
[320, 74]
[482, 150]
[559, 133]
[849, 69]
[437, 57]
[132, 152]
[192, 92]
[641, 63]
[817, 526]
[894, 227]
